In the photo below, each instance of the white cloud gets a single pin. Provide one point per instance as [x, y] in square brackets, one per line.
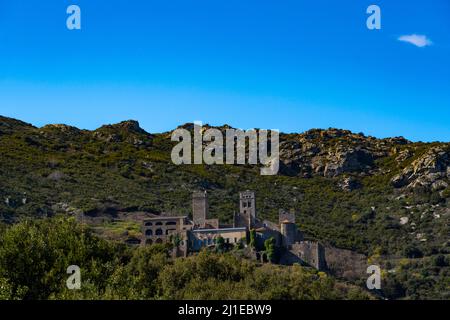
[416, 39]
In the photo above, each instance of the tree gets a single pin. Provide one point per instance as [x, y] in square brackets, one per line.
[252, 242]
[34, 256]
[241, 243]
[7, 291]
[175, 240]
[138, 278]
[270, 249]
[440, 261]
[220, 244]
[412, 251]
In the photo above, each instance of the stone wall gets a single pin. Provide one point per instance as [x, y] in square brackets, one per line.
[346, 263]
[284, 216]
[309, 252]
[207, 237]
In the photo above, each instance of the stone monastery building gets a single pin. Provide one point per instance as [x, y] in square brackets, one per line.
[200, 232]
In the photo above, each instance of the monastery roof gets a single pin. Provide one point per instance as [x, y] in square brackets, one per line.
[219, 230]
[165, 218]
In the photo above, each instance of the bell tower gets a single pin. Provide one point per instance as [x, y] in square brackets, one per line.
[199, 208]
[247, 207]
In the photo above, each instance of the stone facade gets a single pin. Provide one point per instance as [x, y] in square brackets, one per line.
[191, 236]
[310, 252]
[289, 233]
[247, 210]
[201, 238]
[167, 229]
[199, 209]
[265, 233]
[284, 216]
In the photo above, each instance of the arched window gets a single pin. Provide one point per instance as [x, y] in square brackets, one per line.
[158, 232]
[159, 240]
[149, 241]
[148, 232]
[171, 223]
[148, 224]
[159, 223]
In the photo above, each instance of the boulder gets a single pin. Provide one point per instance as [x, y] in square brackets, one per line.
[430, 170]
[349, 184]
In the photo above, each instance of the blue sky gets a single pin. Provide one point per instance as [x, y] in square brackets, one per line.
[290, 65]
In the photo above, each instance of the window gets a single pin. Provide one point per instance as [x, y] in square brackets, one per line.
[149, 241]
[171, 223]
[244, 204]
[159, 232]
[249, 204]
[148, 224]
[159, 240]
[148, 232]
[158, 223]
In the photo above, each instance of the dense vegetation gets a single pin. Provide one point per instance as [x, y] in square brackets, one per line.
[34, 256]
[119, 168]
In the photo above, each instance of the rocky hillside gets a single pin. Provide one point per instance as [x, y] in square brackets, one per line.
[387, 199]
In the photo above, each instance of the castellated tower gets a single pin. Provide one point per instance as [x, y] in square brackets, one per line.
[199, 208]
[247, 208]
[289, 232]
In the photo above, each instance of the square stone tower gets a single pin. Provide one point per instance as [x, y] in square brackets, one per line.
[199, 208]
[247, 208]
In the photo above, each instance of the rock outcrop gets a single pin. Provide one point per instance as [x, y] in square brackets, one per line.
[349, 184]
[125, 131]
[332, 152]
[431, 170]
